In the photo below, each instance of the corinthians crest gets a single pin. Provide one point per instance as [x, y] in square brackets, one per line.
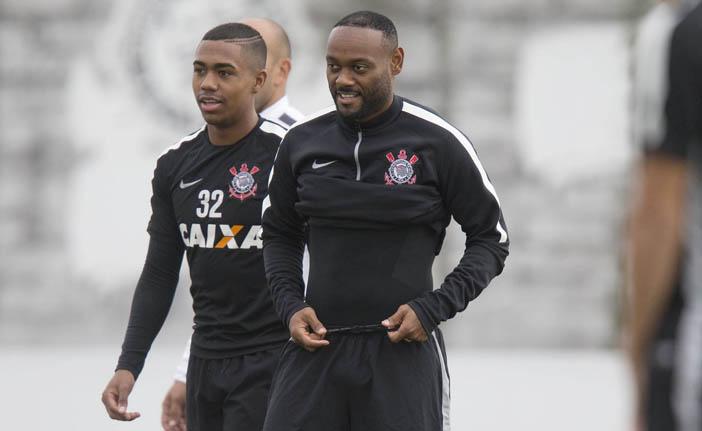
[243, 185]
[400, 170]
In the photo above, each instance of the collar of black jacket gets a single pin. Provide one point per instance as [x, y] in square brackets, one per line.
[377, 123]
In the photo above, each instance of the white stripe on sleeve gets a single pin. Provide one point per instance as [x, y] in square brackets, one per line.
[435, 119]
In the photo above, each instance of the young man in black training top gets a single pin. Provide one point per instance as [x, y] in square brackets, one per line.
[665, 254]
[272, 104]
[206, 202]
[375, 181]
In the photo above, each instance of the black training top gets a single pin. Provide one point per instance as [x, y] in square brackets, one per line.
[207, 202]
[683, 140]
[683, 116]
[377, 199]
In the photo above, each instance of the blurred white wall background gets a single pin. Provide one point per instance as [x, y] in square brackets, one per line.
[92, 91]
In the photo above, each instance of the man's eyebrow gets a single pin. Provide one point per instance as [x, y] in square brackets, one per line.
[216, 65]
[224, 65]
[353, 60]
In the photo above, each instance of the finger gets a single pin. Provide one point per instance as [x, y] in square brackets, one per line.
[401, 333]
[109, 400]
[126, 416]
[421, 335]
[177, 412]
[165, 415]
[314, 323]
[171, 425]
[417, 332]
[130, 416]
[122, 403]
[308, 340]
[395, 320]
[311, 344]
[123, 399]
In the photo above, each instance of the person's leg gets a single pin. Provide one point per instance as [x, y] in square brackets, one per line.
[407, 387]
[307, 393]
[247, 381]
[203, 403]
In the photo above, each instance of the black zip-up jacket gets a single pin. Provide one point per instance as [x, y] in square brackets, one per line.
[376, 199]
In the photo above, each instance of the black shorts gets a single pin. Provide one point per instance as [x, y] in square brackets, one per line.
[659, 409]
[361, 382]
[229, 394]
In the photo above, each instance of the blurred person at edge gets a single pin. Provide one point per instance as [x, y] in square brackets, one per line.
[272, 104]
[664, 274]
[208, 190]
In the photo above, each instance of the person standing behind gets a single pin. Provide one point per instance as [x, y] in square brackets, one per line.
[208, 191]
[272, 104]
[370, 186]
[272, 101]
[665, 250]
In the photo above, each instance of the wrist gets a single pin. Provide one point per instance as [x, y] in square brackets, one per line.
[294, 310]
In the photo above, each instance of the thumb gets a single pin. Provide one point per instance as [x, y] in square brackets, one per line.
[123, 396]
[317, 326]
[394, 321]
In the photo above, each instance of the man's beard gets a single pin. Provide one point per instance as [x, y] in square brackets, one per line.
[372, 101]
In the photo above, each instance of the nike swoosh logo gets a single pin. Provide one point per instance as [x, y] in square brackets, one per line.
[316, 165]
[186, 185]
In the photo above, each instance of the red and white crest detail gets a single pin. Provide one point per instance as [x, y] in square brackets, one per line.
[243, 185]
[400, 170]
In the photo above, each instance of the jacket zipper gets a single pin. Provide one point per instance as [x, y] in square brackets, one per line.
[355, 156]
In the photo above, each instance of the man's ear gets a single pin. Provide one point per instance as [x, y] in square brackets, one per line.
[261, 77]
[396, 61]
[285, 66]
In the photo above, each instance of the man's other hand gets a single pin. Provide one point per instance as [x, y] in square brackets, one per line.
[116, 394]
[173, 408]
[307, 331]
[409, 328]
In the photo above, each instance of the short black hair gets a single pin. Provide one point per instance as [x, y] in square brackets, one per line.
[249, 39]
[372, 20]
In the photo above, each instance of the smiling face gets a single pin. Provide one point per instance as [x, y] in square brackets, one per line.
[224, 82]
[360, 70]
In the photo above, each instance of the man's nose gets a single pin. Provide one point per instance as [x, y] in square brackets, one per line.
[209, 81]
[345, 78]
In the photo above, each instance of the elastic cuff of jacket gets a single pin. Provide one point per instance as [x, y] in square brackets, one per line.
[292, 312]
[134, 372]
[424, 319]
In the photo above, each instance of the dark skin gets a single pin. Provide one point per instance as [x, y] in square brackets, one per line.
[654, 247]
[173, 408]
[116, 394]
[361, 66]
[225, 82]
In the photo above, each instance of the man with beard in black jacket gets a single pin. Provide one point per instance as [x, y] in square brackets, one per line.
[370, 186]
